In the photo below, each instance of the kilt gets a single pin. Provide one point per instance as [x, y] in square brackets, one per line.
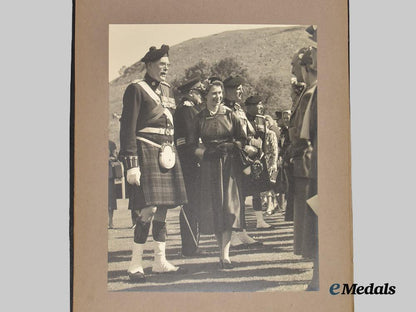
[158, 186]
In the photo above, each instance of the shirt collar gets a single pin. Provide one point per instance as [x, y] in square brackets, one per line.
[153, 83]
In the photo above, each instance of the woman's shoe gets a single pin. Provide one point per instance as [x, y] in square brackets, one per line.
[255, 244]
[224, 265]
[265, 228]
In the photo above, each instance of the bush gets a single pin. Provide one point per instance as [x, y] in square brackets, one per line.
[227, 67]
[268, 87]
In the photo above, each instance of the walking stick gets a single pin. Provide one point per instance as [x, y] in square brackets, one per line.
[189, 226]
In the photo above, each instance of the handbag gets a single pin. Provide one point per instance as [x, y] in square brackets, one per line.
[244, 159]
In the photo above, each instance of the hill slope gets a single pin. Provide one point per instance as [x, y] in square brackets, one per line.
[264, 52]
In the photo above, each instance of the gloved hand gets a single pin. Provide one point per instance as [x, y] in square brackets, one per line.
[256, 142]
[133, 176]
[250, 150]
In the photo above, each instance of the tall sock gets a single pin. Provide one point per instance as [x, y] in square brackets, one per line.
[136, 258]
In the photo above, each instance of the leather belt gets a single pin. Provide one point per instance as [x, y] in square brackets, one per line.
[149, 142]
[163, 131]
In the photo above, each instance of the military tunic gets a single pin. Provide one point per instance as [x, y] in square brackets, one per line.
[310, 228]
[304, 173]
[241, 114]
[158, 186]
[188, 219]
[221, 195]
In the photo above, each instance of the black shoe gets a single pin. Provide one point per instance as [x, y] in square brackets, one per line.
[137, 277]
[255, 244]
[239, 247]
[226, 266]
[181, 270]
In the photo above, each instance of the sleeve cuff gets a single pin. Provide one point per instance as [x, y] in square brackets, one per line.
[131, 162]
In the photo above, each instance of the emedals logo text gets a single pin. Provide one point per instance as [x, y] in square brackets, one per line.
[355, 289]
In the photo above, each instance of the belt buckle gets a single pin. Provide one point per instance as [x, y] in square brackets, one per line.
[168, 132]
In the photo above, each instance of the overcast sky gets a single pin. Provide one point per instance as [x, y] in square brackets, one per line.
[128, 43]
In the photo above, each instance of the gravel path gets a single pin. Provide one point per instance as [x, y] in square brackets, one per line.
[272, 267]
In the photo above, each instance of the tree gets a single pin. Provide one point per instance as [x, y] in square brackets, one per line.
[227, 67]
[201, 69]
[269, 89]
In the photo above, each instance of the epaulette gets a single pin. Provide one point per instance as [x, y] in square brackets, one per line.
[137, 81]
[188, 103]
[165, 83]
[224, 110]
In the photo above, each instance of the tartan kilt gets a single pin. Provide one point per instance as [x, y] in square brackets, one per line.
[158, 186]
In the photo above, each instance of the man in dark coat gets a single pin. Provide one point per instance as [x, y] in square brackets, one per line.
[303, 153]
[154, 173]
[188, 108]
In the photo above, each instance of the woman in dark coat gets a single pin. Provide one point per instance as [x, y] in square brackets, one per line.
[221, 197]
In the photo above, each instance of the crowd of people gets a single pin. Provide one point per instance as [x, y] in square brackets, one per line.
[211, 151]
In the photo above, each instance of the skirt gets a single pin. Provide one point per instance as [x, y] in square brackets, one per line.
[221, 195]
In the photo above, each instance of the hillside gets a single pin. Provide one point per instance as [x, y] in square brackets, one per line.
[264, 52]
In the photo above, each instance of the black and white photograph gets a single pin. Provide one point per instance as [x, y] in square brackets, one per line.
[75, 71]
[212, 158]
